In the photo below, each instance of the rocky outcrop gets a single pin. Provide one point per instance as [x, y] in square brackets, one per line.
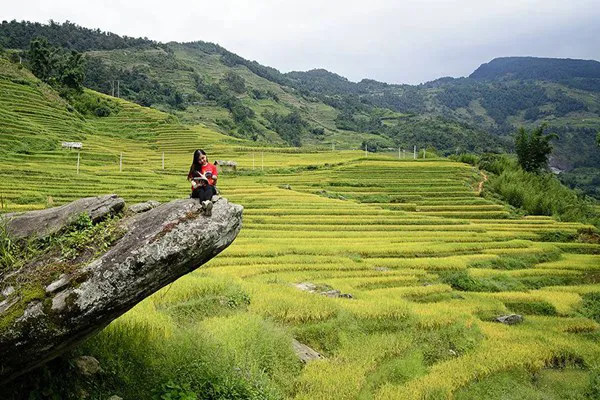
[305, 353]
[510, 319]
[42, 223]
[143, 207]
[157, 247]
[323, 290]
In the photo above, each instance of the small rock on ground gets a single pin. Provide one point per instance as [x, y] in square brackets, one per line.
[304, 352]
[511, 319]
[88, 365]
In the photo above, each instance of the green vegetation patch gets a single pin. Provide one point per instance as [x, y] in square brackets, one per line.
[521, 261]
[435, 297]
[461, 280]
[447, 342]
[531, 307]
[91, 104]
[397, 370]
[590, 306]
[548, 384]
[223, 301]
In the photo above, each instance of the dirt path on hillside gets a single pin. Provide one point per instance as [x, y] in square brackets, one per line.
[480, 186]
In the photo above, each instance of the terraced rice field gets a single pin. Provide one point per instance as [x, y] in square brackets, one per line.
[426, 263]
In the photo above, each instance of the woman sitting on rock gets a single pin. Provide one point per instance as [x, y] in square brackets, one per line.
[203, 176]
[200, 163]
[202, 191]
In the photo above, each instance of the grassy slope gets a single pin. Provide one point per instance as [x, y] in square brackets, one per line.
[178, 69]
[401, 236]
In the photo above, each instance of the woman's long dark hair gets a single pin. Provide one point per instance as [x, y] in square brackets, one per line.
[196, 162]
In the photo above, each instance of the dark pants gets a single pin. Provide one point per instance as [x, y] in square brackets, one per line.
[203, 193]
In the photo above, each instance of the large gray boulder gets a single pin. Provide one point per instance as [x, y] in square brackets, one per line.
[158, 247]
[42, 223]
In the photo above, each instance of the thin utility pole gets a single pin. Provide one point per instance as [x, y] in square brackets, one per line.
[366, 151]
[263, 160]
[118, 89]
[163, 160]
[399, 152]
[404, 154]
[415, 152]
[252, 160]
[423, 153]
[112, 87]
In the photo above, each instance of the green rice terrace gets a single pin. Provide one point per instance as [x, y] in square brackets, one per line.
[423, 263]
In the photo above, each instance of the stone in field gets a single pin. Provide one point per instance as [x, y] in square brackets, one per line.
[304, 352]
[306, 286]
[511, 319]
[88, 365]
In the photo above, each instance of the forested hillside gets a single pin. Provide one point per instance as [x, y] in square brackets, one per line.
[204, 83]
[548, 69]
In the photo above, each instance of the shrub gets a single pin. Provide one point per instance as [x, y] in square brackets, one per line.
[542, 194]
[521, 261]
[90, 104]
[531, 307]
[590, 306]
[495, 163]
[461, 280]
[466, 158]
[8, 249]
[102, 111]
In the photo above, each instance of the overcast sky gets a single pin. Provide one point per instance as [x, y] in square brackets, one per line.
[392, 41]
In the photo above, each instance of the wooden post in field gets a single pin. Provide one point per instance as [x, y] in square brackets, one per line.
[252, 160]
[121, 163]
[77, 163]
[399, 152]
[423, 153]
[366, 151]
[404, 154]
[262, 154]
[415, 152]
[163, 160]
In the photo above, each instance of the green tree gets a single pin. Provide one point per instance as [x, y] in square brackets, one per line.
[55, 65]
[41, 58]
[598, 139]
[288, 127]
[71, 70]
[234, 82]
[533, 148]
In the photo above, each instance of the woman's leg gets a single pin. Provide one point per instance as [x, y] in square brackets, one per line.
[205, 193]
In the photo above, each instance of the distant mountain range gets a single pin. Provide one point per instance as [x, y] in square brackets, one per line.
[532, 68]
[205, 83]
